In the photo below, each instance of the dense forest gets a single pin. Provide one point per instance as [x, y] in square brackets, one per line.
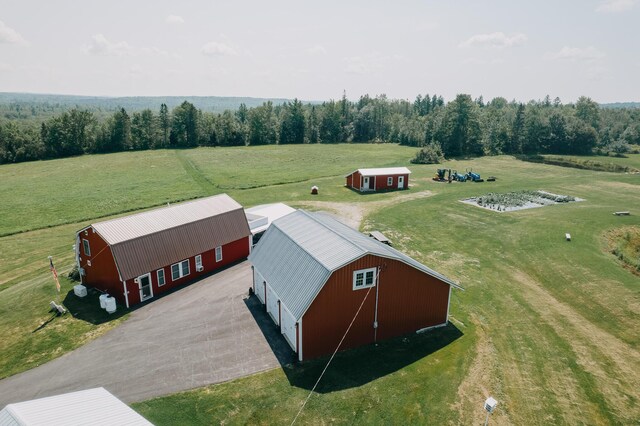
[460, 128]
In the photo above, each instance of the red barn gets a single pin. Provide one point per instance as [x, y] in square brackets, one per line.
[313, 274]
[382, 179]
[137, 257]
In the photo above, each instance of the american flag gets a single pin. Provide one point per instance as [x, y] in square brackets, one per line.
[55, 273]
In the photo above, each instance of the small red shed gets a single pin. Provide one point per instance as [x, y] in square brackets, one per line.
[137, 257]
[380, 179]
[313, 274]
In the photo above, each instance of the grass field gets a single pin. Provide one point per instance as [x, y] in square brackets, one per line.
[548, 327]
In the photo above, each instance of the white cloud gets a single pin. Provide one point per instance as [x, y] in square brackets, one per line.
[615, 6]
[318, 49]
[101, 46]
[5, 67]
[587, 54]
[495, 40]
[214, 48]
[174, 20]
[10, 36]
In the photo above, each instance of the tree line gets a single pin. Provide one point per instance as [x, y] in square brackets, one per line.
[462, 127]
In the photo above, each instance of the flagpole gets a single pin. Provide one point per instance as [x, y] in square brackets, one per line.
[54, 272]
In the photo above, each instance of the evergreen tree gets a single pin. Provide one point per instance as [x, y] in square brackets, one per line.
[165, 124]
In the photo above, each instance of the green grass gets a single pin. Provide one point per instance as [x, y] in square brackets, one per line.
[548, 327]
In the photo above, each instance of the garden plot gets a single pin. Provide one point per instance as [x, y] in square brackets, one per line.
[520, 200]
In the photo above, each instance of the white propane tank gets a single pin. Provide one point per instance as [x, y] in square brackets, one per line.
[80, 290]
[103, 300]
[110, 304]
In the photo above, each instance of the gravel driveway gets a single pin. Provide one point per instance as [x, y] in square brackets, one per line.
[207, 332]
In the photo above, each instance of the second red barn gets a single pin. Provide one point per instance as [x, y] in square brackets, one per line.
[137, 257]
[380, 179]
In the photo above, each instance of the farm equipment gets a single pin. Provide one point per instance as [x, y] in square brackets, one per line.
[440, 175]
[474, 177]
[458, 177]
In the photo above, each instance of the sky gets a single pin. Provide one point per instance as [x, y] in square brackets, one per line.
[316, 50]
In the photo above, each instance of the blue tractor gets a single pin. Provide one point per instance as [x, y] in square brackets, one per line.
[474, 177]
[458, 177]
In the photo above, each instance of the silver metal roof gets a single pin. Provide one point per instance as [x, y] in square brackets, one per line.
[299, 252]
[146, 241]
[383, 171]
[90, 407]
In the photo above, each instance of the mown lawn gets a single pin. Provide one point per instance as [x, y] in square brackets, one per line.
[546, 326]
[48, 201]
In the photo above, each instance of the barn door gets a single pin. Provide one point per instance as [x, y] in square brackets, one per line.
[365, 183]
[400, 182]
[144, 285]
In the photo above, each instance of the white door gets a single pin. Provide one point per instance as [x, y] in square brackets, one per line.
[289, 328]
[259, 285]
[272, 305]
[144, 285]
[400, 182]
[365, 183]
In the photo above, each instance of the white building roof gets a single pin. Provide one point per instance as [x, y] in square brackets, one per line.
[260, 217]
[383, 171]
[84, 408]
[299, 252]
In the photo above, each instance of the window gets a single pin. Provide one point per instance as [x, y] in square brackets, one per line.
[364, 278]
[199, 263]
[160, 273]
[218, 253]
[389, 181]
[85, 247]
[179, 270]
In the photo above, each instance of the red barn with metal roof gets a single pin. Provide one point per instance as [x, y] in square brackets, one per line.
[137, 257]
[380, 179]
[318, 277]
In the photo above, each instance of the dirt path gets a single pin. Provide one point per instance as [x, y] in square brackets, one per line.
[599, 353]
[352, 214]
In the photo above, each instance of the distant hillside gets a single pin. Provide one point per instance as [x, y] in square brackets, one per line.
[621, 105]
[133, 103]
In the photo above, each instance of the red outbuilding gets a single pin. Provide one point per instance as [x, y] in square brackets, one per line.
[137, 257]
[377, 180]
[317, 277]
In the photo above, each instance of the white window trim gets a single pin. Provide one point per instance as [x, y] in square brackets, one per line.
[198, 262]
[142, 299]
[85, 246]
[164, 278]
[390, 181]
[180, 270]
[219, 252]
[364, 278]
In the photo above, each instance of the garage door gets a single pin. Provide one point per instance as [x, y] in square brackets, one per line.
[258, 280]
[289, 327]
[272, 305]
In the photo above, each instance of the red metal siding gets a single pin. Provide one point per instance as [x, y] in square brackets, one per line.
[408, 300]
[381, 182]
[353, 180]
[231, 252]
[102, 274]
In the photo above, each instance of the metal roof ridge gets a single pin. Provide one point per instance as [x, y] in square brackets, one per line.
[162, 207]
[175, 227]
[392, 251]
[297, 244]
[364, 250]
